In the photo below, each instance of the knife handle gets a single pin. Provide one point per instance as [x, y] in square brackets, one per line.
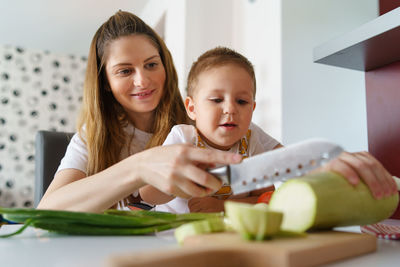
[223, 173]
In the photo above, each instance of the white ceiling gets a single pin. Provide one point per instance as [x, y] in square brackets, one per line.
[58, 26]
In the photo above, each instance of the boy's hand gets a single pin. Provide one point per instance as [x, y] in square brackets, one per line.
[213, 204]
[206, 204]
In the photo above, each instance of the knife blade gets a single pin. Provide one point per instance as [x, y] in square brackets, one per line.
[280, 164]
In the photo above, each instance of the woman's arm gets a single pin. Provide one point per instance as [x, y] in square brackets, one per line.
[353, 166]
[363, 166]
[171, 169]
[72, 190]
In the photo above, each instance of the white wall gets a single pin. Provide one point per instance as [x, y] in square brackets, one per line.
[251, 27]
[190, 28]
[257, 35]
[296, 98]
[64, 27]
[320, 100]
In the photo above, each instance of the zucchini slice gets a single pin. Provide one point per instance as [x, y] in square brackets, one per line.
[253, 222]
[198, 228]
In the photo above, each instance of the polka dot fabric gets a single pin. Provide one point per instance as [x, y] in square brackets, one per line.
[38, 91]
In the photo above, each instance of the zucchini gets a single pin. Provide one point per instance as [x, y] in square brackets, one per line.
[199, 227]
[326, 200]
[397, 181]
[253, 222]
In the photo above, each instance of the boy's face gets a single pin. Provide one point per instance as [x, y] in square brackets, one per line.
[222, 105]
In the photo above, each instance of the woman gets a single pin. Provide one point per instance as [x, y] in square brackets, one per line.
[131, 101]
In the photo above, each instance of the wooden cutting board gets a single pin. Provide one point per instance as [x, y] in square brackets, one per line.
[229, 249]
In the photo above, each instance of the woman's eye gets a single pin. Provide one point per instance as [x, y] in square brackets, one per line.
[124, 71]
[151, 65]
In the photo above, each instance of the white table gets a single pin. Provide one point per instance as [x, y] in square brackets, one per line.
[36, 247]
[387, 254]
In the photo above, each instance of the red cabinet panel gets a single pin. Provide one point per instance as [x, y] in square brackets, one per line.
[383, 116]
[387, 5]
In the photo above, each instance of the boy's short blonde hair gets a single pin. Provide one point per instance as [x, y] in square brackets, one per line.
[217, 57]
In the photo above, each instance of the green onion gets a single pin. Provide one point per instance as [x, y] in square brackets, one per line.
[111, 222]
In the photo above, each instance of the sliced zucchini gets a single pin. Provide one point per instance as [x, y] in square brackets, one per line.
[198, 228]
[253, 222]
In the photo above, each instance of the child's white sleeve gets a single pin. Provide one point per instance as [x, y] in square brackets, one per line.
[181, 134]
[260, 141]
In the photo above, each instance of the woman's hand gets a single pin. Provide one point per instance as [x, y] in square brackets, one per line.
[362, 165]
[179, 170]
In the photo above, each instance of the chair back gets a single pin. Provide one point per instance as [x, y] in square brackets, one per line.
[50, 148]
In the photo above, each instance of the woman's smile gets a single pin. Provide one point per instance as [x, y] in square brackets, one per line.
[144, 94]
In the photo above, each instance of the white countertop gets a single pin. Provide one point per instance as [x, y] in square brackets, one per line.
[35, 247]
[387, 254]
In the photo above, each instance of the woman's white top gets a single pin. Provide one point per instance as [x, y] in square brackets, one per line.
[76, 155]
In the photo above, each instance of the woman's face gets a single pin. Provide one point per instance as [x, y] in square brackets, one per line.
[136, 76]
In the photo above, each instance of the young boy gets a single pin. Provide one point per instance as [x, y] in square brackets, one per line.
[221, 92]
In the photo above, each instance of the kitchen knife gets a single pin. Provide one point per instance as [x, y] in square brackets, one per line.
[280, 164]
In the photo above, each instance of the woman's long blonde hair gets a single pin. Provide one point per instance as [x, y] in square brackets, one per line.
[102, 119]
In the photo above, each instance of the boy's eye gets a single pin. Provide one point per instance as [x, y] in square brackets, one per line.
[242, 102]
[216, 100]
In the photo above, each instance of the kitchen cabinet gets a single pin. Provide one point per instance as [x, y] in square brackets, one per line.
[374, 48]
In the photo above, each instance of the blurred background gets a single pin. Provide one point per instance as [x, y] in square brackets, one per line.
[44, 44]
